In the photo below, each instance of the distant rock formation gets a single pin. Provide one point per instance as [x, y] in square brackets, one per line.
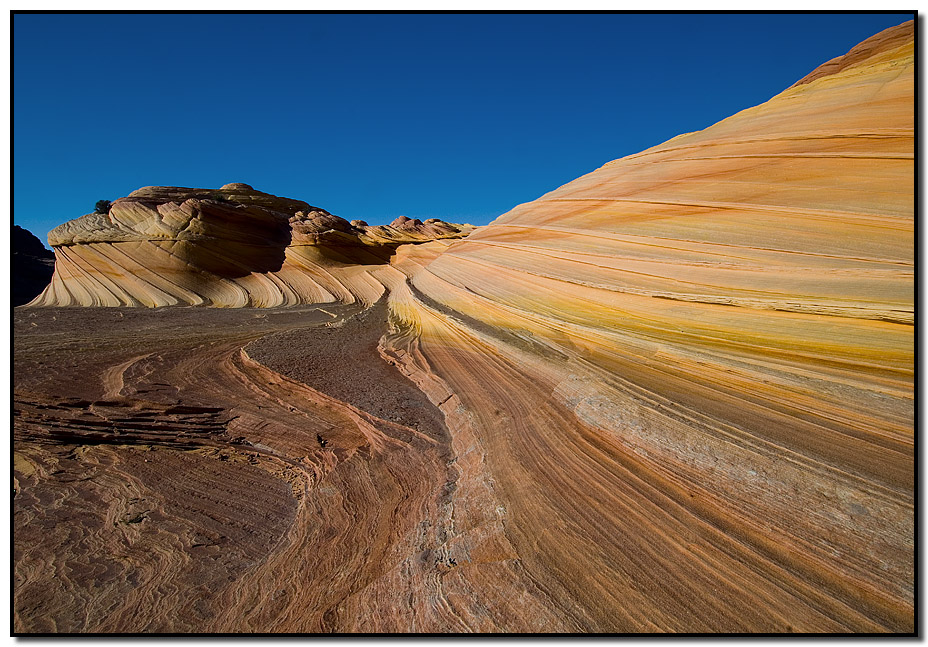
[33, 266]
[230, 247]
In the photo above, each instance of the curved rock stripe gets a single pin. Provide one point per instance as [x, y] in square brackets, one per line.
[692, 369]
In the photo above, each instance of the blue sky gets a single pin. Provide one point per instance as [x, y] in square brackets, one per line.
[452, 116]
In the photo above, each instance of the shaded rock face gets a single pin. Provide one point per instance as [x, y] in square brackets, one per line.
[33, 266]
[233, 246]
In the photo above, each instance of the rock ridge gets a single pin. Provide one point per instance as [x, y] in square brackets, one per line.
[882, 43]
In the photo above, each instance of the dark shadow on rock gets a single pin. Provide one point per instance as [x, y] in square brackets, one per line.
[238, 240]
[32, 266]
[359, 254]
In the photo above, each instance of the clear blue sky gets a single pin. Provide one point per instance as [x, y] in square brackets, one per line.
[459, 117]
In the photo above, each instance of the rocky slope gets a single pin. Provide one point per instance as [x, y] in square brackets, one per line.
[690, 372]
[33, 266]
[228, 247]
[675, 394]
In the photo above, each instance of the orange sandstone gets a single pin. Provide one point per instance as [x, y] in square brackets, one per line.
[692, 369]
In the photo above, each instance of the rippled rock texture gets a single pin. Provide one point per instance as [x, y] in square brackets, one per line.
[227, 247]
[673, 395]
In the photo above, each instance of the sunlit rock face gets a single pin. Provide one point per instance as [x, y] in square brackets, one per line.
[689, 373]
[229, 247]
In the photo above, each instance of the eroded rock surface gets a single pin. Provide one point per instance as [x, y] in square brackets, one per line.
[675, 394]
[229, 247]
[690, 372]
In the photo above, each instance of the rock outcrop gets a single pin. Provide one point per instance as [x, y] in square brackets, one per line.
[229, 247]
[33, 266]
[690, 372]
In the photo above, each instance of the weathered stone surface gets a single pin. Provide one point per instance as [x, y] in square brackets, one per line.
[228, 247]
[690, 372]
[675, 394]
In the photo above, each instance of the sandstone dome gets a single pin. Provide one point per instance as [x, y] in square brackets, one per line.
[229, 247]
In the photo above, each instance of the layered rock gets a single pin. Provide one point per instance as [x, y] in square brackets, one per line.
[229, 247]
[689, 373]
[673, 395]
[33, 266]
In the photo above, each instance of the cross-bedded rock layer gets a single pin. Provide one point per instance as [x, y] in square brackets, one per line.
[228, 247]
[691, 370]
[672, 395]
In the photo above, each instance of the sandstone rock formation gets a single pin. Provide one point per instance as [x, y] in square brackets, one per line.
[675, 394]
[228, 247]
[690, 372]
[33, 266]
